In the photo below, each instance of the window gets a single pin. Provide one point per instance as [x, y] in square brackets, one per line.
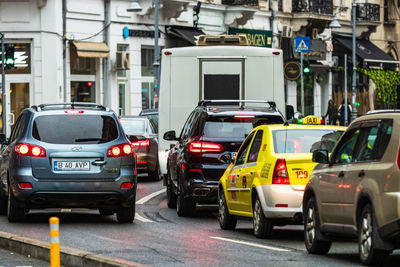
[147, 61]
[385, 133]
[75, 129]
[83, 65]
[18, 128]
[121, 48]
[153, 126]
[184, 129]
[241, 156]
[304, 141]
[255, 147]
[346, 146]
[132, 126]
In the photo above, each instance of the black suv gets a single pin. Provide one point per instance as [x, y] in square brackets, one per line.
[214, 129]
[68, 155]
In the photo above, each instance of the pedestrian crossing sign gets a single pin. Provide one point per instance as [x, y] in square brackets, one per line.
[302, 44]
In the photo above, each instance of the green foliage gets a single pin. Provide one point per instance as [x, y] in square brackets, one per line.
[386, 82]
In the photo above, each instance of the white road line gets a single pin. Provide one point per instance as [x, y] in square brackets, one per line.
[251, 244]
[142, 219]
[148, 197]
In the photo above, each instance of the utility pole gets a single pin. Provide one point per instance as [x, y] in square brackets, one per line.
[302, 82]
[3, 86]
[156, 63]
[354, 82]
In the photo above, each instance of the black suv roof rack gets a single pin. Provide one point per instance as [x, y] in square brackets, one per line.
[72, 104]
[204, 103]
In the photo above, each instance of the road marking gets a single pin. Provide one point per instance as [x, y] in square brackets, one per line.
[251, 244]
[142, 219]
[148, 197]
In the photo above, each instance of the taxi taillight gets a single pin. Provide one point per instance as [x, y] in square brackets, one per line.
[120, 150]
[281, 175]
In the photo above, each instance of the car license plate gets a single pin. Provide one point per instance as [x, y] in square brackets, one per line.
[71, 166]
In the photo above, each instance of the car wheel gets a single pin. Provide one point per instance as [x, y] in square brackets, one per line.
[155, 175]
[126, 213]
[184, 206]
[14, 212]
[226, 220]
[171, 196]
[367, 232]
[106, 212]
[311, 227]
[263, 228]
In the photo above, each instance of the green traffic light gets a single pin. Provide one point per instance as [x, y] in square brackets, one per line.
[9, 61]
[306, 70]
[357, 104]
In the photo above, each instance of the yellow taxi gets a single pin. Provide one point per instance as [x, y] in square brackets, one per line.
[266, 180]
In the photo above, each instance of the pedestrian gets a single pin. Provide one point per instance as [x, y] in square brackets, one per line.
[342, 111]
[332, 112]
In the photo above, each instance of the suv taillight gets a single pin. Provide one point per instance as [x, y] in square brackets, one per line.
[120, 150]
[30, 150]
[202, 147]
[281, 175]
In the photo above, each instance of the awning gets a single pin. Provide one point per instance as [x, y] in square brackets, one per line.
[370, 53]
[186, 33]
[91, 49]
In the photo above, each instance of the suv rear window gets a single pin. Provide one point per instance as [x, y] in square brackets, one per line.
[229, 127]
[304, 141]
[75, 129]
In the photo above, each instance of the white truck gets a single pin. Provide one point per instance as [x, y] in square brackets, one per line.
[190, 74]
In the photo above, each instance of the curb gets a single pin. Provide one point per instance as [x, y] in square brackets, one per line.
[68, 256]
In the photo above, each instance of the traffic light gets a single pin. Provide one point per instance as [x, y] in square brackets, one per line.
[9, 59]
[306, 68]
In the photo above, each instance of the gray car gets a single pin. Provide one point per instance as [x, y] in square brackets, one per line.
[68, 155]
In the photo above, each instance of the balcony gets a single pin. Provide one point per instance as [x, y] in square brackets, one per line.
[321, 7]
[240, 2]
[368, 12]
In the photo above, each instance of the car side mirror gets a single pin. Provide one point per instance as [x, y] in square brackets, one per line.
[133, 138]
[320, 156]
[226, 158]
[170, 136]
[3, 139]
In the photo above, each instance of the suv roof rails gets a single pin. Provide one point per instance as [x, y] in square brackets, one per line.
[379, 111]
[205, 103]
[72, 104]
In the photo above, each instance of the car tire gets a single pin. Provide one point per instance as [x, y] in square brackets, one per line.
[106, 212]
[14, 212]
[126, 213]
[226, 220]
[367, 232]
[171, 196]
[184, 206]
[155, 175]
[311, 228]
[263, 228]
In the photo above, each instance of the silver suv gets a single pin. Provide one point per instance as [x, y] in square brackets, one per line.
[67, 155]
[356, 192]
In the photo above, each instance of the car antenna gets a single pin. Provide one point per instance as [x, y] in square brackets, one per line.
[286, 123]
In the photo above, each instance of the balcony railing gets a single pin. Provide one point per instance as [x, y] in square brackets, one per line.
[240, 2]
[323, 7]
[368, 12]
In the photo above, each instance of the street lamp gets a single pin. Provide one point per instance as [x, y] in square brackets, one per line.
[135, 7]
[354, 82]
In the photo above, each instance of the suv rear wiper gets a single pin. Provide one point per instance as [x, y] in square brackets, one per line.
[90, 139]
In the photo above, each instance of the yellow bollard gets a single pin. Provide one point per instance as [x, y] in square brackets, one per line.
[54, 242]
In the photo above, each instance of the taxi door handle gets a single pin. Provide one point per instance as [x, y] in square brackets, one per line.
[252, 172]
[341, 174]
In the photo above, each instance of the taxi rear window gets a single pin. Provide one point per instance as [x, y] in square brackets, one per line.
[304, 141]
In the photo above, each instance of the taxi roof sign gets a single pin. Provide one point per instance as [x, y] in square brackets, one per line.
[309, 120]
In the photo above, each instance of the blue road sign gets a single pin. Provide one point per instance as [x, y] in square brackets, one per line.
[302, 44]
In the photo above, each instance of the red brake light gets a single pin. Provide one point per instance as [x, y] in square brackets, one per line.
[281, 175]
[276, 53]
[25, 185]
[167, 53]
[202, 147]
[126, 185]
[244, 116]
[30, 150]
[73, 111]
[141, 143]
[120, 150]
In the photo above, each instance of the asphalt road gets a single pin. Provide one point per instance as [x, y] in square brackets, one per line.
[11, 259]
[158, 237]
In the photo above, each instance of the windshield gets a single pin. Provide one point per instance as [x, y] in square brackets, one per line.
[304, 141]
[75, 129]
[132, 126]
[230, 127]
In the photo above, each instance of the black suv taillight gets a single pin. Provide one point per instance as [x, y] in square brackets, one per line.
[203, 147]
